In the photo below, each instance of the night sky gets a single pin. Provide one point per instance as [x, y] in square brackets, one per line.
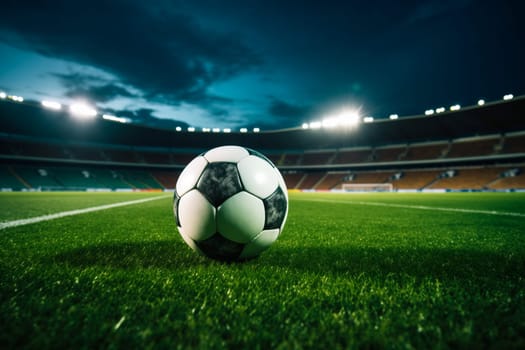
[271, 64]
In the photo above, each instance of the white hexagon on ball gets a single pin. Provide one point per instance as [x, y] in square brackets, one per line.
[196, 216]
[241, 217]
[190, 175]
[258, 176]
[231, 154]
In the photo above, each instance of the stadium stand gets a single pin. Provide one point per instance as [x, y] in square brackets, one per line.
[331, 180]
[36, 177]
[39, 150]
[109, 179]
[293, 180]
[389, 154]
[317, 158]
[371, 177]
[86, 153]
[349, 156]
[426, 151]
[515, 178]
[166, 179]
[416, 179]
[474, 179]
[290, 159]
[140, 179]
[474, 148]
[8, 180]
[310, 180]
[514, 144]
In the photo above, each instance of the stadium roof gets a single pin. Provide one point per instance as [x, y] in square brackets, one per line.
[30, 119]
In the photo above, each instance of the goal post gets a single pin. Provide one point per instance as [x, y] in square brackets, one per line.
[372, 187]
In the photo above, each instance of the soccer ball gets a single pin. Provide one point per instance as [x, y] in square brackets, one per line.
[230, 203]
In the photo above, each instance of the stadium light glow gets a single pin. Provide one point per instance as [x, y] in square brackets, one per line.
[191, 129]
[430, 112]
[52, 105]
[393, 116]
[440, 110]
[256, 129]
[82, 111]
[227, 130]
[3, 95]
[330, 123]
[315, 125]
[115, 119]
[481, 102]
[178, 128]
[15, 98]
[244, 130]
[348, 118]
[508, 97]
[305, 125]
[216, 130]
[455, 107]
[206, 129]
[368, 119]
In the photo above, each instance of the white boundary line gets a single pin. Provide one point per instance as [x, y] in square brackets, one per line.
[21, 222]
[419, 207]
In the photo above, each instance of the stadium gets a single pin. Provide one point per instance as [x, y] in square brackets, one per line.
[479, 148]
[385, 246]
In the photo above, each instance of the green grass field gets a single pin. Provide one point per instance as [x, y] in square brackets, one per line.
[349, 271]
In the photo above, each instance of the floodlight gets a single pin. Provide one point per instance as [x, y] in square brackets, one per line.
[508, 97]
[227, 130]
[315, 125]
[15, 98]
[115, 119]
[82, 111]
[256, 129]
[393, 116]
[52, 105]
[3, 95]
[178, 128]
[349, 118]
[216, 130]
[191, 129]
[305, 125]
[244, 130]
[481, 102]
[206, 129]
[440, 110]
[455, 108]
[368, 119]
[329, 123]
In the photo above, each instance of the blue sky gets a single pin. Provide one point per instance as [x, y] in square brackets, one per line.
[271, 64]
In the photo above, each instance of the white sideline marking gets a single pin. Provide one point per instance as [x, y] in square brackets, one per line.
[21, 222]
[420, 207]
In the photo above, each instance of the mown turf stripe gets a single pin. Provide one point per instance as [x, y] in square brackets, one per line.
[418, 207]
[21, 222]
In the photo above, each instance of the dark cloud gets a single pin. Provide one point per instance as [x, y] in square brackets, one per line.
[147, 116]
[167, 55]
[92, 87]
[285, 110]
[309, 56]
[139, 114]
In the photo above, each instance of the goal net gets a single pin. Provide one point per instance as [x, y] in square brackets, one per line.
[383, 187]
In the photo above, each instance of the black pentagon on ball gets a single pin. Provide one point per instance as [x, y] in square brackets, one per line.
[176, 200]
[219, 181]
[220, 248]
[260, 155]
[275, 207]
